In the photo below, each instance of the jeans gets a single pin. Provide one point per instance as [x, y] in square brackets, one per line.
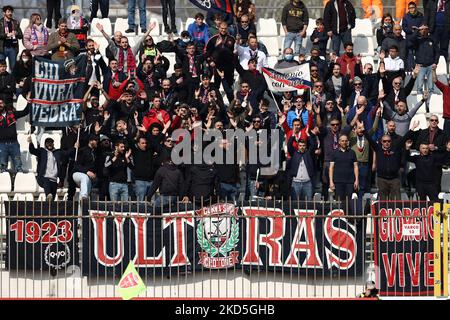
[343, 37]
[229, 191]
[104, 8]
[302, 190]
[84, 182]
[168, 6]
[364, 172]
[49, 186]
[118, 191]
[141, 188]
[11, 55]
[142, 13]
[297, 39]
[162, 201]
[10, 149]
[253, 192]
[425, 72]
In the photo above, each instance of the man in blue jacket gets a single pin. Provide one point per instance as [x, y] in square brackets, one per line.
[199, 31]
[48, 167]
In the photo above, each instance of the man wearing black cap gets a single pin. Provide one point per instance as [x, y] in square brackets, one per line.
[85, 171]
[49, 166]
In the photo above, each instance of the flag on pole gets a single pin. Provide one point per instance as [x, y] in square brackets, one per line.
[131, 284]
[288, 79]
[222, 5]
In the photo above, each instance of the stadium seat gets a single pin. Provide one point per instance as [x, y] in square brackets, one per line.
[121, 25]
[103, 43]
[282, 33]
[363, 27]
[266, 27]
[106, 23]
[363, 46]
[22, 124]
[442, 66]
[5, 182]
[310, 28]
[23, 197]
[271, 61]
[24, 23]
[307, 44]
[25, 182]
[171, 57]
[21, 103]
[29, 162]
[436, 103]
[189, 21]
[368, 59]
[272, 45]
[422, 121]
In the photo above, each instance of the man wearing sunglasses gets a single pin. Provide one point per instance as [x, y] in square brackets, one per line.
[388, 164]
[394, 89]
[435, 138]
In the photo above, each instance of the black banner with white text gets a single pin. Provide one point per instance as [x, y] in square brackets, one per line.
[57, 91]
[403, 248]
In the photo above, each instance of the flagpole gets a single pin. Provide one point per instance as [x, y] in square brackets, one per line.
[78, 143]
[274, 100]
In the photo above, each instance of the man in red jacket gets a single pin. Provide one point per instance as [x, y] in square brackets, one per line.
[445, 89]
[347, 61]
[155, 114]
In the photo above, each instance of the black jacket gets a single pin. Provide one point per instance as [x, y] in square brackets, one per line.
[427, 167]
[41, 154]
[86, 160]
[118, 168]
[19, 34]
[390, 161]
[143, 163]
[169, 180]
[403, 93]
[331, 16]
[7, 88]
[423, 136]
[430, 15]
[308, 157]
[427, 51]
[202, 181]
[8, 130]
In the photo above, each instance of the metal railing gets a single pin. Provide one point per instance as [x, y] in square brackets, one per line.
[257, 249]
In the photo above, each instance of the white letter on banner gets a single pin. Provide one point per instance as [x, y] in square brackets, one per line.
[73, 107]
[63, 113]
[43, 116]
[61, 95]
[54, 114]
[39, 90]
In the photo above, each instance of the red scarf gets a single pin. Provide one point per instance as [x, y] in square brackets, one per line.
[131, 61]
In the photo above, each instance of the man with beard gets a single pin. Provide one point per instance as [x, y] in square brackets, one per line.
[113, 78]
[219, 51]
[178, 82]
[10, 34]
[339, 20]
[118, 164]
[49, 167]
[169, 97]
[338, 85]
[156, 115]
[401, 116]
[93, 68]
[62, 44]
[78, 25]
[347, 61]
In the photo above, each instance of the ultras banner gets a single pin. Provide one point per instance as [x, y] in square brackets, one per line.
[57, 91]
[271, 236]
[41, 236]
[403, 243]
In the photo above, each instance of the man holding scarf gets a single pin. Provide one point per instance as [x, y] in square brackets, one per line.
[64, 45]
[10, 34]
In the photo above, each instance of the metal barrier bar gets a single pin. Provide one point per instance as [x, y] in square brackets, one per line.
[283, 236]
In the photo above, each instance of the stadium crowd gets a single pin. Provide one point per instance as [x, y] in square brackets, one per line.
[345, 134]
